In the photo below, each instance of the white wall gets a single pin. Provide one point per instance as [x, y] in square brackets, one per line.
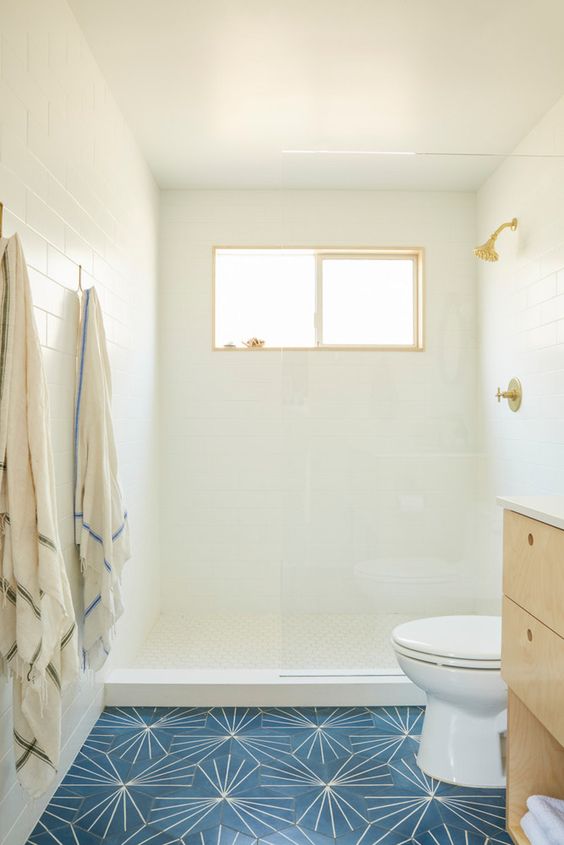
[279, 472]
[521, 319]
[77, 190]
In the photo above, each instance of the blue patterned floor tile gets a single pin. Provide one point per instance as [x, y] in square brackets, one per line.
[262, 745]
[295, 775]
[142, 733]
[331, 811]
[120, 813]
[473, 811]
[405, 815]
[296, 835]
[169, 772]
[410, 806]
[360, 773]
[145, 745]
[185, 814]
[257, 744]
[372, 835]
[93, 771]
[279, 775]
[419, 803]
[503, 838]
[445, 835]
[258, 812]
[234, 720]
[344, 718]
[321, 744]
[144, 836]
[100, 740]
[64, 835]
[292, 775]
[408, 777]
[62, 808]
[196, 746]
[398, 720]
[384, 747]
[226, 776]
[227, 790]
[220, 835]
[159, 718]
[289, 718]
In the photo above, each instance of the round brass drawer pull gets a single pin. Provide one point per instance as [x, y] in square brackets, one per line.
[531, 539]
[529, 635]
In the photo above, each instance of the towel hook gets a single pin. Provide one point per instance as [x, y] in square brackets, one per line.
[80, 278]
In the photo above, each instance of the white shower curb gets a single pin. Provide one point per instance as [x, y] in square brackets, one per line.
[257, 688]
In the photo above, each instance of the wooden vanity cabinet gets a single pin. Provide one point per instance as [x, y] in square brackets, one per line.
[532, 662]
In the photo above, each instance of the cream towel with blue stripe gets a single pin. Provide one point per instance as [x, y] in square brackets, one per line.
[101, 528]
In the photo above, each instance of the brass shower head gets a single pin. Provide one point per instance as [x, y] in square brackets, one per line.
[487, 251]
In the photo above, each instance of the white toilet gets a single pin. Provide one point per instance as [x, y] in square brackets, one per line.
[456, 660]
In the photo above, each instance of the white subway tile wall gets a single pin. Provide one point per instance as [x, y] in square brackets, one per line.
[76, 189]
[281, 471]
[278, 471]
[521, 323]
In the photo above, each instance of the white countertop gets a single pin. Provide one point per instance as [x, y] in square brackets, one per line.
[549, 509]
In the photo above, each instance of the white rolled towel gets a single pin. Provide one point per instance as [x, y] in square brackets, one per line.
[548, 814]
[533, 830]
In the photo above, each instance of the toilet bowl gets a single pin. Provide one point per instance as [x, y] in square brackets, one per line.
[456, 661]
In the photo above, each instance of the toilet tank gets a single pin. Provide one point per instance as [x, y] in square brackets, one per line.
[424, 586]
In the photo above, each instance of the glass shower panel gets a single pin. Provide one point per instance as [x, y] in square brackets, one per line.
[379, 447]
[377, 514]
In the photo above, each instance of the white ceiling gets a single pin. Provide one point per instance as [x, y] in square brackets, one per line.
[214, 90]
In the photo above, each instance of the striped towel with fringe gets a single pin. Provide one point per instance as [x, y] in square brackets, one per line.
[38, 641]
[101, 527]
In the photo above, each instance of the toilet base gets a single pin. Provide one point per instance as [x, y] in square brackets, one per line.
[465, 719]
[460, 747]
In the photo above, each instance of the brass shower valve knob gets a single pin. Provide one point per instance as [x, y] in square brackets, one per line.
[513, 394]
[506, 394]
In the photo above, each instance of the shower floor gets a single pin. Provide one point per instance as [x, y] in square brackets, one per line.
[310, 643]
[262, 660]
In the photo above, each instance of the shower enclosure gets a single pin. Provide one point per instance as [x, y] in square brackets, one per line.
[315, 498]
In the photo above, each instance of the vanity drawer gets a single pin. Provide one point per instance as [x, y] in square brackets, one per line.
[532, 664]
[533, 568]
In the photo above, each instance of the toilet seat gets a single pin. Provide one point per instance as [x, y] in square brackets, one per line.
[453, 662]
[463, 642]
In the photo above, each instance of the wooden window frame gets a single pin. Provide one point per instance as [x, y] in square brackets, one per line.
[416, 254]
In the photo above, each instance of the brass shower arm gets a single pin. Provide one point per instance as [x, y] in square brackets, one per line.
[487, 251]
[509, 224]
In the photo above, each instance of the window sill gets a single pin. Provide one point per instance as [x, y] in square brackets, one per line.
[350, 348]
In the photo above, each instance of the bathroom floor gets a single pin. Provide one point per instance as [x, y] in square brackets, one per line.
[301, 642]
[284, 776]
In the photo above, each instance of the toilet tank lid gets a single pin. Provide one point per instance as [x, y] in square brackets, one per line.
[469, 637]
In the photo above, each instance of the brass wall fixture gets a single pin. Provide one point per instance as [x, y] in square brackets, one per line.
[487, 251]
[513, 394]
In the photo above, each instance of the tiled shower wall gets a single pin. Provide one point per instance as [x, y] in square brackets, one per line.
[521, 321]
[281, 472]
[77, 190]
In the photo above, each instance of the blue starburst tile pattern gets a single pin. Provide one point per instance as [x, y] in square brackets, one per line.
[273, 776]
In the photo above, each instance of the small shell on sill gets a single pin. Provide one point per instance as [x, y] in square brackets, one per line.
[254, 343]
